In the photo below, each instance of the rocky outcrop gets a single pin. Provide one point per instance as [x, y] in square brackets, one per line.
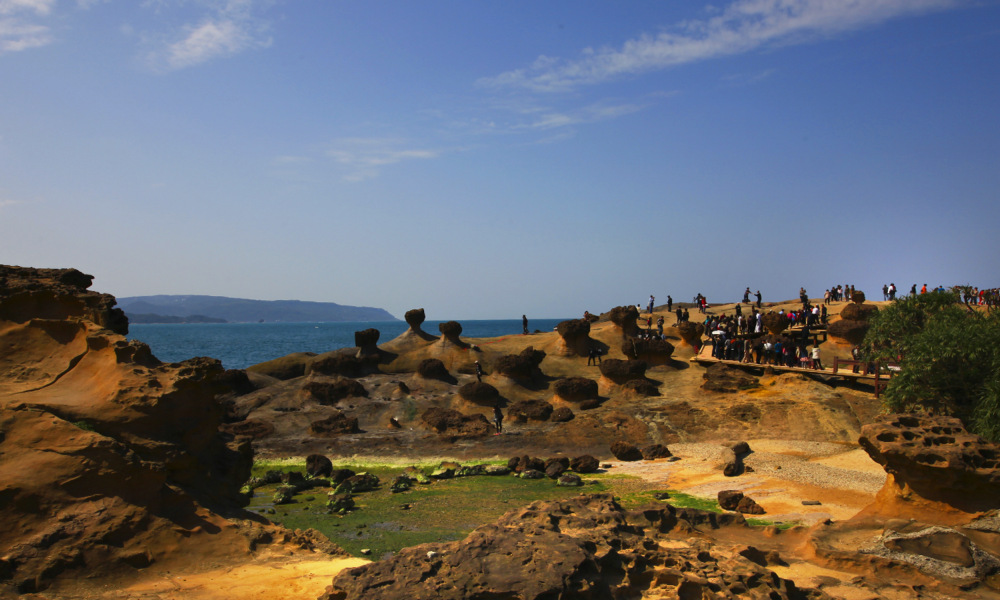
[432, 368]
[851, 332]
[575, 336]
[479, 392]
[520, 366]
[343, 363]
[858, 312]
[584, 547]
[336, 424]
[575, 389]
[774, 322]
[127, 451]
[690, 333]
[450, 332]
[624, 317]
[726, 379]
[367, 341]
[937, 469]
[454, 425]
[584, 464]
[625, 451]
[523, 411]
[285, 367]
[621, 371]
[330, 392]
[651, 351]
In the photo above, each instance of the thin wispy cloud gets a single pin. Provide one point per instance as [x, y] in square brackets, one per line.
[228, 28]
[20, 28]
[363, 158]
[742, 26]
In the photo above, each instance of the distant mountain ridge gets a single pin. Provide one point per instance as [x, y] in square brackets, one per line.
[241, 310]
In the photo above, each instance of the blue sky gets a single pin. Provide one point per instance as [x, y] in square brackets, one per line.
[487, 160]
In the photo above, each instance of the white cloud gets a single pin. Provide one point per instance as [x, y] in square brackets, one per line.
[19, 29]
[208, 40]
[39, 7]
[363, 157]
[743, 26]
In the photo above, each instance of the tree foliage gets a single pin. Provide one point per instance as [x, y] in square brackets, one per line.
[949, 358]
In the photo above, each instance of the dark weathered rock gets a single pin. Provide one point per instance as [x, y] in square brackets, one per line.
[690, 333]
[532, 474]
[575, 389]
[562, 415]
[554, 469]
[336, 363]
[454, 425]
[740, 449]
[726, 379]
[641, 387]
[520, 366]
[450, 329]
[848, 330]
[729, 499]
[575, 334]
[590, 404]
[318, 465]
[433, 368]
[415, 318]
[362, 482]
[331, 392]
[480, 393]
[620, 371]
[286, 367]
[652, 351]
[340, 503]
[367, 341]
[625, 451]
[858, 312]
[747, 506]
[339, 475]
[529, 410]
[569, 480]
[250, 428]
[625, 318]
[584, 464]
[336, 424]
[654, 451]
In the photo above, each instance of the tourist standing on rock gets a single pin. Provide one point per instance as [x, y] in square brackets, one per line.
[651, 301]
[524, 322]
[758, 298]
[670, 303]
[746, 295]
[497, 418]
[659, 325]
[479, 371]
[593, 356]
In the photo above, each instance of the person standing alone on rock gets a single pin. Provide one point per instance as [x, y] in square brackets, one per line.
[498, 418]
[524, 323]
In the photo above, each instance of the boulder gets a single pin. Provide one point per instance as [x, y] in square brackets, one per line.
[554, 469]
[569, 480]
[584, 464]
[624, 317]
[339, 475]
[480, 393]
[620, 371]
[575, 335]
[340, 503]
[362, 482]
[625, 451]
[432, 368]
[729, 499]
[654, 451]
[529, 410]
[336, 424]
[858, 297]
[331, 392]
[740, 449]
[652, 351]
[747, 506]
[853, 332]
[858, 312]
[774, 322]
[532, 474]
[640, 387]
[318, 465]
[455, 425]
[520, 366]
[494, 470]
[937, 469]
[562, 414]
[575, 389]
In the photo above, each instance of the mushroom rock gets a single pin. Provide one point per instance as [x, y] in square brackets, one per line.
[455, 425]
[938, 471]
[530, 410]
[620, 371]
[432, 368]
[520, 366]
[480, 393]
[624, 317]
[575, 335]
[690, 332]
[858, 297]
[653, 352]
[450, 330]
[858, 312]
[575, 389]
[415, 318]
[366, 341]
[774, 322]
[849, 330]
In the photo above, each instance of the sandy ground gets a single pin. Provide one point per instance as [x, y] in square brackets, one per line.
[841, 477]
[273, 580]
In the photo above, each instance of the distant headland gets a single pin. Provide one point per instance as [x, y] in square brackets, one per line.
[220, 309]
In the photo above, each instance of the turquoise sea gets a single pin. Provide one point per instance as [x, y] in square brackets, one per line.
[239, 345]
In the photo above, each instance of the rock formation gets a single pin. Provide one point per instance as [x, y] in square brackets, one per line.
[621, 371]
[523, 411]
[479, 392]
[367, 341]
[450, 332]
[653, 351]
[726, 379]
[853, 323]
[624, 317]
[575, 336]
[432, 368]
[774, 322]
[520, 366]
[690, 333]
[454, 425]
[575, 389]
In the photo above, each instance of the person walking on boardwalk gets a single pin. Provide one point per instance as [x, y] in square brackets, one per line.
[497, 418]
